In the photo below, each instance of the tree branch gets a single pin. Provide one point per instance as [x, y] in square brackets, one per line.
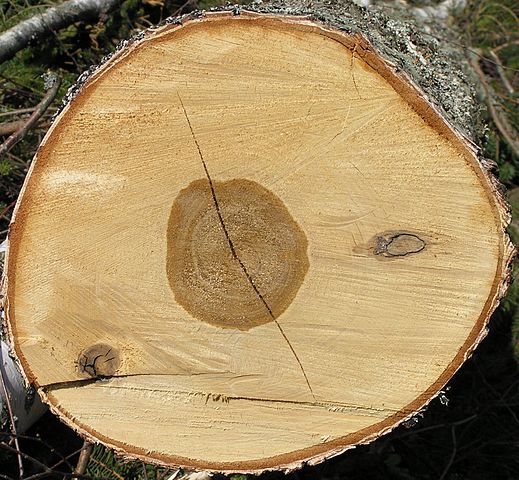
[501, 122]
[9, 128]
[53, 19]
[84, 458]
[54, 83]
[501, 72]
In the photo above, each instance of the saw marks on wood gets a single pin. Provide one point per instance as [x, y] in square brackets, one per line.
[240, 247]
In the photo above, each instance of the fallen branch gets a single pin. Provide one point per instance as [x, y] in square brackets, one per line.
[501, 73]
[52, 20]
[500, 120]
[17, 112]
[9, 128]
[54, 82]
[84, 458]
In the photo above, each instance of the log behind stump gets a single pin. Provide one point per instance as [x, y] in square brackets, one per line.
[251, 241]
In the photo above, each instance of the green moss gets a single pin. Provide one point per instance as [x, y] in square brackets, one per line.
[5, 168]
[13, 12]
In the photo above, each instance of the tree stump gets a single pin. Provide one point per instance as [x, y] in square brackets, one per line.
[255, 238]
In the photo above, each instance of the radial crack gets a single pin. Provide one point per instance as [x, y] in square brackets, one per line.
[233, 249]
[352, 67]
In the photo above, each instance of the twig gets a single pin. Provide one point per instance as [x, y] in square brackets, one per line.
[10, 413]
[15, 159]
[464, 47]
[54, 82]
[501, 72]
[501, 122]
[453, 454]
[144, 471]
[508, 98]
[172, 476]
[49, 447]
[506, 45]
[501, 397]
[6, 209]
[180, 9]
[23, 88]
[53, 19]
[48, 470]
[19, 111]
[419, 431]
[8, 128]
[84, 458]
[37, 476]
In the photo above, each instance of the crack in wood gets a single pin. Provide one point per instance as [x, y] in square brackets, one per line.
[99, 378]
[331, 406]
[89, 368]
[233, 249]
[353, 53]
[352, 66]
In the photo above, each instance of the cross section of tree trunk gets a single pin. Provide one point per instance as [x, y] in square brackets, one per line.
[251, 241]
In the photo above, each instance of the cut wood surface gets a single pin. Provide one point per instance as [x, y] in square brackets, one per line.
[249, 242]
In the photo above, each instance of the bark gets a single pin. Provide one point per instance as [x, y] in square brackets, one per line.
[25, 403]
[53, 19]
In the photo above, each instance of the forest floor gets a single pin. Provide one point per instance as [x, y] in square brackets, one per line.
[469, 432]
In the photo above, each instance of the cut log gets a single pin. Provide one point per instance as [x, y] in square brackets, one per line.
[251, 240]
